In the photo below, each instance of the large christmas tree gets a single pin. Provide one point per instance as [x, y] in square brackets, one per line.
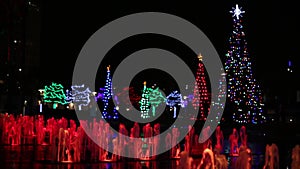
[201, 95]
[243, 90]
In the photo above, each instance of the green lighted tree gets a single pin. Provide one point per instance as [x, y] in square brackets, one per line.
[155, 99]
[55, 94]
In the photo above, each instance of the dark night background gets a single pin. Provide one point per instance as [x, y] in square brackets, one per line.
[270, 28]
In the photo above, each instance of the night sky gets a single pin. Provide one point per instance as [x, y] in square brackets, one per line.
[270, 27]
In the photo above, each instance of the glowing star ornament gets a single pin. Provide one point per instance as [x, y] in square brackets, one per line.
[174, 99]
[200, 57]
[55, 94]
[237, 12]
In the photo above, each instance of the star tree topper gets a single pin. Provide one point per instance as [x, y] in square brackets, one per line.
[237, 11]
[200, 57]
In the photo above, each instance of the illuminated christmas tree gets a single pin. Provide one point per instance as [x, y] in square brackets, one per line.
[243, 90]
[201, 95]
[144, 102]
[174, 99]
[107, 112]
[55, 94]
[155, 99]
[79, 95]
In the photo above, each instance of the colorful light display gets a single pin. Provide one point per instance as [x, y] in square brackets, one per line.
[243, 90]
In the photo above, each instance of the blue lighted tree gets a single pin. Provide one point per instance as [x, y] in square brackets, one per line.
[107, 98]
[174, 99]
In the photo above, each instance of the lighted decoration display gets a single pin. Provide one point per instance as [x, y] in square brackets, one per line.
[243, 90]
[174, 99]
[155, 98]
[80, 95]
[201, 98]
[55, 94]
[107, 98]
[144, 102]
